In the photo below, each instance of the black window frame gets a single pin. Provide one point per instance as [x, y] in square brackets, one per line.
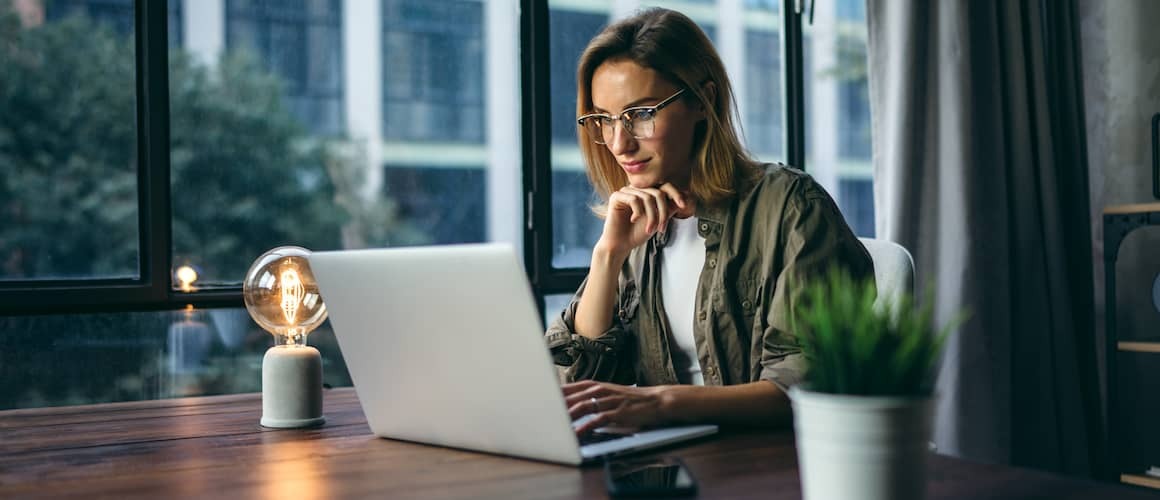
[535, 74]
[153, 289]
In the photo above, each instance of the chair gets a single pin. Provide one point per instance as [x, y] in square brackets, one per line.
[893, 269]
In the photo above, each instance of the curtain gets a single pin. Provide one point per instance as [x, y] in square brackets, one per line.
[980, 170]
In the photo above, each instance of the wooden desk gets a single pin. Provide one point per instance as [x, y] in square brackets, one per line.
[213, 447]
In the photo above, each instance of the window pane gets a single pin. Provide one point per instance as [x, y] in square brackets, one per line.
[332, 124]
[68, 162]
[553, 304]
[838, 109]
[99, 358]
[748, 41]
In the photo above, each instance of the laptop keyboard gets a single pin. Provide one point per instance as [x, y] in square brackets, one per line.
[600, 437]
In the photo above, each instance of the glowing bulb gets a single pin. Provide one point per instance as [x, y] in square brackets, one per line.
[282, 296]
[185, 276]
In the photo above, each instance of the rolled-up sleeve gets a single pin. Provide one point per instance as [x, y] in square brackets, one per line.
[816, 238]
[607, 358]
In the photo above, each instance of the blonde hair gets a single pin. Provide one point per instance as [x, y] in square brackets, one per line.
[671, 44]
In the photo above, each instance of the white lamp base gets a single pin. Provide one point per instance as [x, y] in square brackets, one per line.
[292, 387]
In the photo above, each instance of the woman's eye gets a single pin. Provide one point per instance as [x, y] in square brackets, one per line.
[637, 115]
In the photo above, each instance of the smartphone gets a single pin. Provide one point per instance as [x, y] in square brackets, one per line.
[651, 477]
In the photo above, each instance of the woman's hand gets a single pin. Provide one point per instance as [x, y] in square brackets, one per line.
[634, 215]
[614, 404]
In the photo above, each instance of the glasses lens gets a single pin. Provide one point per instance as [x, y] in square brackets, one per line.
[640, 122]
[593, 129]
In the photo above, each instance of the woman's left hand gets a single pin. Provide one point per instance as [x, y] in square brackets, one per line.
[614, 404]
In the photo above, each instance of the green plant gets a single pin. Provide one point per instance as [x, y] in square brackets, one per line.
[854, 346]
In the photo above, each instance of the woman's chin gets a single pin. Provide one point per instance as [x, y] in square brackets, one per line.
[643, 181]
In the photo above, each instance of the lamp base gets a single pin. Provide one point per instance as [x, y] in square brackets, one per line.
[292, 387]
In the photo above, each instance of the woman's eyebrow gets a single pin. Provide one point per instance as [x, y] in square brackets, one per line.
[634, 104]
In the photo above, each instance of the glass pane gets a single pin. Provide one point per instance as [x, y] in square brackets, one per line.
[68, 151]
[749, 42]
[332, 124]
[553, 304]
[838, 109]
[100, 358]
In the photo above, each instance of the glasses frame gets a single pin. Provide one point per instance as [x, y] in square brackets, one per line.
[625, 120]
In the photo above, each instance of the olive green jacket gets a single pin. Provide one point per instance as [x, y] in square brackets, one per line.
[782, 229]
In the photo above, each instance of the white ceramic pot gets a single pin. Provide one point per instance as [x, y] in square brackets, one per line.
[861, 447]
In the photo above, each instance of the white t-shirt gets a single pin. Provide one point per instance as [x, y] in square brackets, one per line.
[682, 258]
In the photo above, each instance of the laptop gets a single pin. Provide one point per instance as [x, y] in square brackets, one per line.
[444, 346]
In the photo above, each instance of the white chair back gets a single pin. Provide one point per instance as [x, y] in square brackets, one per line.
[893, 269]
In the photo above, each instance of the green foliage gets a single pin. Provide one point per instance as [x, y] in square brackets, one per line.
[67, 150]
[245, 174]
[855, 347]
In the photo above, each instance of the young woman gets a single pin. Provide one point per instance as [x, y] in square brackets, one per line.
[682, 317]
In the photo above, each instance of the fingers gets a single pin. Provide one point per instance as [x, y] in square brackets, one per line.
[674, 194]
[577, 399]
[623, 200]
[654, 204]
[685, 205]
[575, 387]
[600, 420]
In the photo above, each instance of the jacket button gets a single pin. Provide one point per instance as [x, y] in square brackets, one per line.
[712, 262]
[745, 304]
[704, 227]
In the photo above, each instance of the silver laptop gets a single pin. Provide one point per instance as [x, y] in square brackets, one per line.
[445, 347]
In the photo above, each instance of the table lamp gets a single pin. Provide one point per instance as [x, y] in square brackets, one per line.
[282, 297]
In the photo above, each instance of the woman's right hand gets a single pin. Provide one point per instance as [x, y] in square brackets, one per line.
[634, 215]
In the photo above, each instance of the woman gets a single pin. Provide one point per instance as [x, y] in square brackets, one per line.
[682, 317]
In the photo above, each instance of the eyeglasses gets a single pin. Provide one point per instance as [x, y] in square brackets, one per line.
[639, 121]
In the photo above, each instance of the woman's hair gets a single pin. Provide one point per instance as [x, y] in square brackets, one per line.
[671, 44]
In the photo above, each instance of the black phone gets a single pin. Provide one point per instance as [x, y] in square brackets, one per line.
[663, 476]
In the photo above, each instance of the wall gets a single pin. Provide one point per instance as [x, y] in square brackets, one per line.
[1121, 67]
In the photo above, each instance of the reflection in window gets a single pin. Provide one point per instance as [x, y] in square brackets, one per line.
[247, 173]
[763, 83]
[856, 200]
[300, 41]
[854, 130]
[99, 358]
[852, 10]
[68, 191]
[569, 34]
[769, 5]
[433, 70]
[446, 203]
[116, 14]
[574, 226]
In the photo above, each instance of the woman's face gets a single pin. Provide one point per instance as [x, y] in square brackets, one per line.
[666, 156]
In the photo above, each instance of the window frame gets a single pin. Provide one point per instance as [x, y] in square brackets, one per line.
[153, 289]
[537, 141]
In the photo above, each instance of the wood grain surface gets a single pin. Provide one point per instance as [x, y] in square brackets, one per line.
[213, 447]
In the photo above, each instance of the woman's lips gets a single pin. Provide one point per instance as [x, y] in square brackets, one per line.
[634, 167]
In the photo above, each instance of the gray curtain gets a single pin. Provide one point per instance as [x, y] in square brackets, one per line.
[980, 171]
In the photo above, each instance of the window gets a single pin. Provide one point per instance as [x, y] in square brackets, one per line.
[755, 50]
[69, 185]
[300, 41]
[433, 71]
[764, 116]
[204, 133]
[837, 109]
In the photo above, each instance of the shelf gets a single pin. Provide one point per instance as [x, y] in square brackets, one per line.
[1138, 346]
[1140, 480]
[1138, 208]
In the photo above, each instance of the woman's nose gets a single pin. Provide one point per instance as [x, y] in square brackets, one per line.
[622, 140]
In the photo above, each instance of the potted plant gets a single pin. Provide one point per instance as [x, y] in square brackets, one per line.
[862, 415]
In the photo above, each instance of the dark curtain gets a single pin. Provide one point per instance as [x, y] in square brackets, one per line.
[980, 170]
